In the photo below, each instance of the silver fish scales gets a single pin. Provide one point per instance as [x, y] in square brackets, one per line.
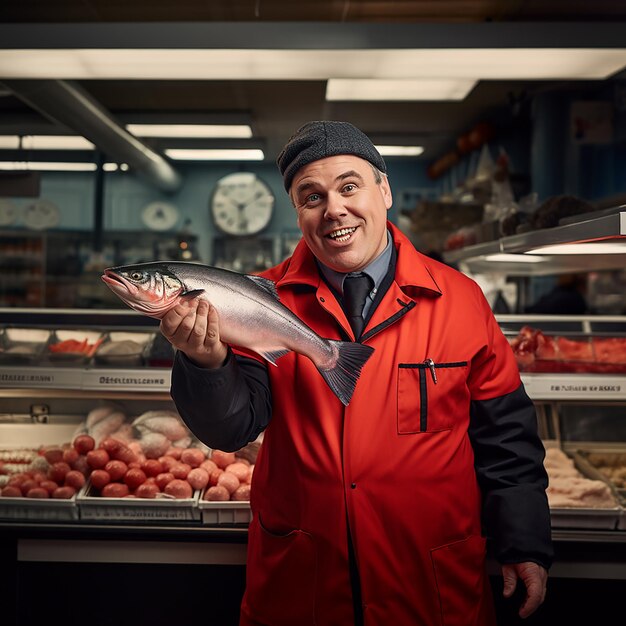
[250, 315]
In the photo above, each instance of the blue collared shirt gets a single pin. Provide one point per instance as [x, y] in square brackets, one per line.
[376, 270]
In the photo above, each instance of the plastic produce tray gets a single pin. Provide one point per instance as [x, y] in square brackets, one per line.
[93, 339]
[39, 509]
[22, 345]
[137, 510]
[224, 513]
[137, 343]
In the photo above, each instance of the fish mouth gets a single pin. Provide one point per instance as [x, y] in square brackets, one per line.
[341, 235]
[118, 283]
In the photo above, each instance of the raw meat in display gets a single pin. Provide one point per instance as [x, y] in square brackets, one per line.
[569, 488]
[537, 352]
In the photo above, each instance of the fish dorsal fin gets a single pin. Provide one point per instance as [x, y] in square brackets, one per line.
[264, 283]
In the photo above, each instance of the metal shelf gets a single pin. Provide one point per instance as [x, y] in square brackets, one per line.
[608, 227]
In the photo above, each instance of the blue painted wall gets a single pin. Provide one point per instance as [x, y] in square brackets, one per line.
[125, 195]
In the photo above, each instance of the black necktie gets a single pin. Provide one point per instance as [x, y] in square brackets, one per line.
[355, 290]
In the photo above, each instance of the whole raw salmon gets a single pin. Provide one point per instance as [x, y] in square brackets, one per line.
[250, 315]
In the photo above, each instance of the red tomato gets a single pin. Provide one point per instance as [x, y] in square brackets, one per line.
[49, 485]
[57, 472]
[134, 477]
[198, 478]
[229, 481]
[214, 476]
[75, 479]
[163, 479]
[147, 490]
[27, 485]
[97, 459]
[37, 492]
[152, 467]
[115, 490]
[117, 469]
[217, 494]
[70, 456]
[11, 491]
[208, 465]
[241, 494]
[241, 470]
[167, 462]
[63, 493]
[222, 459]
[99, 478]
[192, 456]
[84, 443]
[180, 470]
[111, 445]
[179, 489]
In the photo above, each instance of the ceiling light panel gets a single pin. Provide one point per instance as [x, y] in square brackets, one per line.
[406, 151]
[214, 155]
[262, 64]
[46, 166]
[45, 142]
[389, 89]
[191, 131]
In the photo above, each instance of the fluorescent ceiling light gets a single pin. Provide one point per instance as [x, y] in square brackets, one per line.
[513, 258]
[388, 89]
[45, 142]
[400, 150]
[601, 247]
[182, 154]
[46, 166]
[199, 131]
[256, 64]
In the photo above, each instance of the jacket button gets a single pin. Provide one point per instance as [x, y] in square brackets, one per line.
[353, 486]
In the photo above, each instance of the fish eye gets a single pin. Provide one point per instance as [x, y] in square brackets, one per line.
[135, 275]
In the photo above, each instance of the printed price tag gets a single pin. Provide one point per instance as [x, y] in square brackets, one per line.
[47, 378]
[574, 387]
[137, 380]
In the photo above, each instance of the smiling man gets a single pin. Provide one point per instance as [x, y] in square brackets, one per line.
[379, 512]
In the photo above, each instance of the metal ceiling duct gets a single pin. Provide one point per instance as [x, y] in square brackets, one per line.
[66, 103]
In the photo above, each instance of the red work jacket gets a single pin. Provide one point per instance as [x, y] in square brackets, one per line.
[395, 466]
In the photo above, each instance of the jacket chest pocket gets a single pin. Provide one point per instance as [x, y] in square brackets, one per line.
[430, 395]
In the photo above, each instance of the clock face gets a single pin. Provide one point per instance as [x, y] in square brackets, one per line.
[242, 204]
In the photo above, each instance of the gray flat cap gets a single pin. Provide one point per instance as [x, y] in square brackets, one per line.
[318, 140]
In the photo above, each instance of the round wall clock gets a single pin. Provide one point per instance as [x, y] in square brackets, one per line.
[8, 212]
[41, 214]
[241, 204]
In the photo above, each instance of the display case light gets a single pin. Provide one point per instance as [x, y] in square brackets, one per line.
[513, 258]
[590, 247]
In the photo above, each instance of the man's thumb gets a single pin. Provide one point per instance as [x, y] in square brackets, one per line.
[510, 581]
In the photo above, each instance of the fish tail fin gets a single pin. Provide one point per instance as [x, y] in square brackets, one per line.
[342, 378]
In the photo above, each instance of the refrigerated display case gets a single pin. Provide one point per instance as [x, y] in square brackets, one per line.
[43, 400]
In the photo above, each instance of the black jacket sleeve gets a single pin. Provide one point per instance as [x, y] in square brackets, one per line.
[225, 408]
[509, 464]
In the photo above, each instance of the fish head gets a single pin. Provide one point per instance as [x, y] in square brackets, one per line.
[150, 288]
